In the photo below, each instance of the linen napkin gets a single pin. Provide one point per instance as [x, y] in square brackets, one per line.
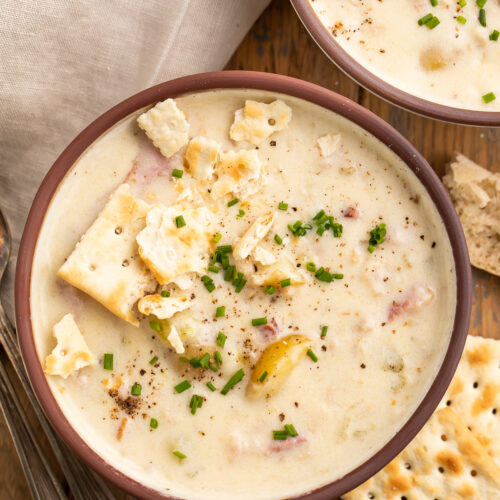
[64, 62]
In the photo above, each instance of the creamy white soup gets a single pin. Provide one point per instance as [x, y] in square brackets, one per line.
[297, 290]
[447, 53]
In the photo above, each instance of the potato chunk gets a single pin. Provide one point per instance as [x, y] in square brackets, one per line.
[278, 360]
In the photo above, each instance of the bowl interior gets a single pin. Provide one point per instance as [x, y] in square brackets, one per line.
[285, 85]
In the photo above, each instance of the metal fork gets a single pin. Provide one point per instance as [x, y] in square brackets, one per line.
[83, 482]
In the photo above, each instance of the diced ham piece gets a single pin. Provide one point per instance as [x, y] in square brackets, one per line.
[351, 212]
[271, 330]
[418, 297]
[287, 444]
[150, 163]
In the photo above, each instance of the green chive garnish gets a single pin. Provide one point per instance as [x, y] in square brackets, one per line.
[311, 267]
[237, 377]
[217, 237]
[153, 423]
[136, 390]
[220, 312]
[313, 356]
[183, 386]
[290, 430]
[425, 19]
[208, 283]
[263, 377]
[482, 17]
[241, 213]
[218, 358]
[155, 325]
[153, 361]
[213, 367]
[259, 321]
[286, 282]
[213, 269]
[278, 239]
[462, 3]
[221, 339]
[165, 293]
[377, 236]
[461, 19]
[177, 173]
[195, 403]
[108, 361]
[323, 331]
[180, 221]
[434, 3]
[195, 362]
[269, 289]
[225, 248]
[432, 23]
[481, 3]
[232, 202]
[280, 435]
[205, 359]
[494, 35]
[490, 96]
[211, 386]
[179, 454]
[283, 206]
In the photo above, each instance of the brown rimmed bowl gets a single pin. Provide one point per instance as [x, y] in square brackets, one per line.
[379, 87]
[263, 81]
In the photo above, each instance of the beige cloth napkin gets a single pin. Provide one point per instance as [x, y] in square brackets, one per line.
[64, 62]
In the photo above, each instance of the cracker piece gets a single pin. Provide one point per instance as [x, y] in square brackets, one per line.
[254, 234]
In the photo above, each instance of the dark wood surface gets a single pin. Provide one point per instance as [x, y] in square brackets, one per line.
[278, 43]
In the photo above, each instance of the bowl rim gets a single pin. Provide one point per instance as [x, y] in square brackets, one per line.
[274, 83]
[336, 53]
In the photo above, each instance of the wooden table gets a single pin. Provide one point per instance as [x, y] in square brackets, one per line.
[278, 43]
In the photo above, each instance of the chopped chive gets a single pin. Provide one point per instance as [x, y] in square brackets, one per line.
[208, 283]
[338, 276]
[323, 275]
[280, 435]
[237, 377]
[180, 221]
[179, 455]
[221, 339]
[108, 361]
[213, 367]
[283, 206]
[482, 17]
[177, 173]
[204, 360]
[224, 260]
[217, 237]
[263, 377]
[494, 35]
[184, 359]
[153, 360]
[310, 266]
[269, 289]
[155, 325]
[211, 386]
[241, 213]
[461, 19]
[434, 3]
[489, 97]
[432, 23]
[220, 312]
[153, 423]
[225, 248]
[286, 282]
[320, 230]
[319, 215]
[230, 271]
[259, 321]
[213, 269]
[290, 430]
[323, 331]
[239, 286]
[195, 403]
[462, 3]
[195, 362]
[136, 390]
[218, 358]
[481, 3]
[183, 386]
[165, 293]
[312, 355]
[425, 19]
[377, 236]
[278, 239]
[232, 202]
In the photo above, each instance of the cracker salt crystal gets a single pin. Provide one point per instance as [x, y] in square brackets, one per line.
[166, 125]
[71, 352]
[474, 393]
[444, 461]
[105, 263]
[257, 121]
[170, 251]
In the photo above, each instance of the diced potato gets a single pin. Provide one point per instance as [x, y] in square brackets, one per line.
[433, 58]
[278, 360]
[275, 273]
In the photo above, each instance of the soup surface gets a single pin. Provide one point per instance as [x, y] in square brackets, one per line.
[336, 325]
[454, 62]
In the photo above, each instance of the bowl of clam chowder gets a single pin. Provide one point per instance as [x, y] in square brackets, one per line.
[240, 285]
[437, 58]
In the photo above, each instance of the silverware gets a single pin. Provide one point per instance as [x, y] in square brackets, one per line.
[83, 482]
